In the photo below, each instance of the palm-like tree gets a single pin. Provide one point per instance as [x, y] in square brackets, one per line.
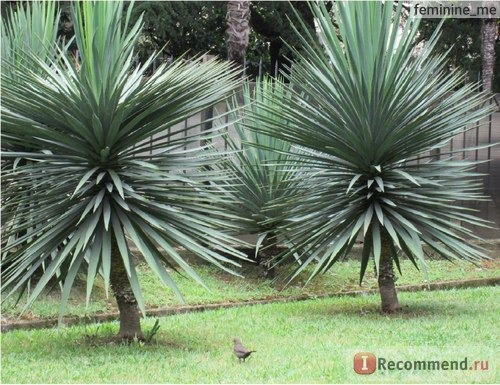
[28, 35]
[238, 30]
[265, 172]
[489, 31]
[30, 31]
[367, 109]
[96, 182]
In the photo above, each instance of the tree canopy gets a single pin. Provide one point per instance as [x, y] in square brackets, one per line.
[198, 27]
[463, 38]
[193, 27]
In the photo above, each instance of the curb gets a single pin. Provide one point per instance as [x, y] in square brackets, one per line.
[166, 311]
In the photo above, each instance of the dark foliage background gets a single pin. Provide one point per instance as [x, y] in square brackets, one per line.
[193, 27]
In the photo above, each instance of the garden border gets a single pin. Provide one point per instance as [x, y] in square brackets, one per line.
[172, 310]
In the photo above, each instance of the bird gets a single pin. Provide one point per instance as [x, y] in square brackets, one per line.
[241, 352]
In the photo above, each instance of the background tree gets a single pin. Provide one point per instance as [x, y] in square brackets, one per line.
[238, 30]
[199, 27]
[271, 22]
[489, 33]
[459, 36]
[366, 110]
[496, 72]
[181, 27]
[96, 186]
[464, 39]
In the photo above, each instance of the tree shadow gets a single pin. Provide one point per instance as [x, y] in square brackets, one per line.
[105, 336]
[372, 311]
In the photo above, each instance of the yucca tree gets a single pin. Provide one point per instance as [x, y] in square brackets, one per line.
[29, 35]
[264, 170]
[30, 31]
[367, 109]
[96, 181]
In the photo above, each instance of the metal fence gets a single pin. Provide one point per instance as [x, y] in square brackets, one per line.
[482, 133]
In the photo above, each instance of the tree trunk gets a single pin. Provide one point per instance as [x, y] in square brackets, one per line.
[386, 286]
[274, 52]
[238, 30]
[489, 30]
[130, 319]
[268, 250]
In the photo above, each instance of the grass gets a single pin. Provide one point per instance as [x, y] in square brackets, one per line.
[312, 341]
[225, 287]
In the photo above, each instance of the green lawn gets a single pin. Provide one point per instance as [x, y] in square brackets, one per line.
[228, 288]
[312, 341]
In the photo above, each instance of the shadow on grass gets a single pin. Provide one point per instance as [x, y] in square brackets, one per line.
[410, 310]
[105, 336]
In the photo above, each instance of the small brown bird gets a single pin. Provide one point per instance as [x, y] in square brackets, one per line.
[241, 352]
